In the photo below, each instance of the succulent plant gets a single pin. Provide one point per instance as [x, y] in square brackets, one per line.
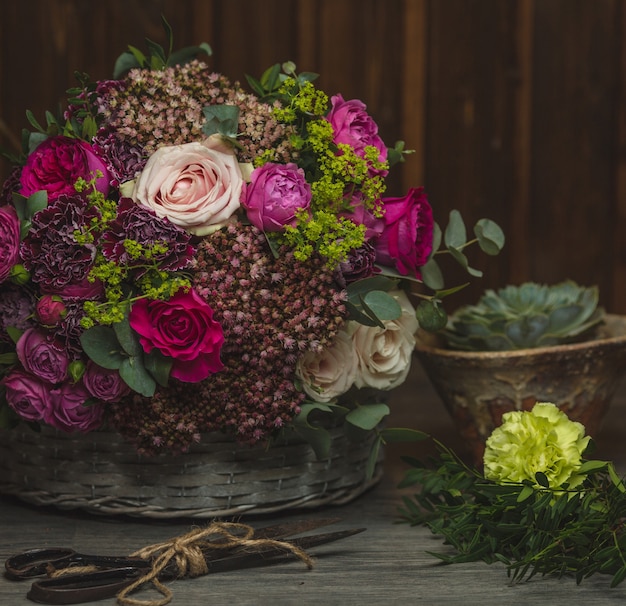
[526, 316]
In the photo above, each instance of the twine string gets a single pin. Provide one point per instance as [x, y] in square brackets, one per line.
[186, 551]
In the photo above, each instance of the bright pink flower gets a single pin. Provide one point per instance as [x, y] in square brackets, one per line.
[276, 192]
[407, 240]
[56, 164]
[9, 240]
[51, 310]
[27, 395]
[181, 328]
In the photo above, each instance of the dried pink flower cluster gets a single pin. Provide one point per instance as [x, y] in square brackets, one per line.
[271, 310]
[165, 107]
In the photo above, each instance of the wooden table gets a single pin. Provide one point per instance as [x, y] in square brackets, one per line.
[387, 564]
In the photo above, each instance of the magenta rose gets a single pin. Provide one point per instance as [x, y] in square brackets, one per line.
[51, 310]
[183, 329]
[104, 384]
[359, 214]
[69, 410]
[56, 164]
[27, 395]
[9, 241]
[355, 127]
[407, 240]
[42, 357]
[276, 192]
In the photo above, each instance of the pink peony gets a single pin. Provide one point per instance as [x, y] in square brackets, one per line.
[69, 410]
[181, 328]
[27, 395]
[355, 127]
[275, 193]
[197, 186]
[407, 240]
[9, 241]
[56, 164]
[41, 357]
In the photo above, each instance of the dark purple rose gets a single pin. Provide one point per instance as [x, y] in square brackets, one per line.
[141, 225]
[41, 357]
[275, 193]
[56, 164]
[51, 310]
[407, 240]
[69, 410]
[27, 395]
[58, 263]
[360, 264]
[355, 127]
[17, 306]
[104, 384]
[9, 240]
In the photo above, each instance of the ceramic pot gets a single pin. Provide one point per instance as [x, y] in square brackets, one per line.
[477, 388]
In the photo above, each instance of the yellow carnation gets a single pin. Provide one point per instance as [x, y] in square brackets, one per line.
[542, 440]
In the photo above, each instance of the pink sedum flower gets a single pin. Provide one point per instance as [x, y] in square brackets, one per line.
[407, 239]
[9, 241]
[197, 186]
[276, 192]
[183, 329]
[56, 164]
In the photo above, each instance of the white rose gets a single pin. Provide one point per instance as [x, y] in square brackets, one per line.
[331, 372]
[384, 354]
[197, 186]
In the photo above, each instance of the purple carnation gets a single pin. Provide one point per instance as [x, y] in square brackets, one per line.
[50, 252]
[17, 307]
[360, 264]
[124, 160]
[140, 224]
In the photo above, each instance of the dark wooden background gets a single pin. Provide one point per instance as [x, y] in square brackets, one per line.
[516, 109]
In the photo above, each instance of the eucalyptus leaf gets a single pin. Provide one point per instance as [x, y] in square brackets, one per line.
[137, 377]
[383, 305]
[432, 275]
[101, 345]
[127, 338]
[367, 416]
[490, 236]
[455, 235]
[392, 435]
[372, 459]
[221, 119]
[431, 316]
[38, 201]
[159, 366]
[318, 438]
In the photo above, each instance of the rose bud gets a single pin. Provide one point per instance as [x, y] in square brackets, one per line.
[51, 310]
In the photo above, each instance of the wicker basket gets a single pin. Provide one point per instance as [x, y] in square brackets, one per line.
[100, 473]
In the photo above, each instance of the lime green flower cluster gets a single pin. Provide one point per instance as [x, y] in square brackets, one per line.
[543, 440]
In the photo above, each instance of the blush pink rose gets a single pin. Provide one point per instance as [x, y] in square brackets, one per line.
[104, 384]
[27, 395]
[355, 127]
[70, 411]
[56, 164]
[197, 186]
[407, 239]
[42, 357]
[276, 192]
[9, 241]
[183, 329]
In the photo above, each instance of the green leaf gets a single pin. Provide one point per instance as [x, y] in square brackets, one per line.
[137, 377]
[102, 346]
[38, 201]
[127, 338]
[14, 333]
[159, 366]
[367, 416]
[8, 359]
[542, 479]
[318, 438]
[384, 306]
[372, 458]
[431, 316]
[221, 119]
[490, 237]
[526, 492]
[432, 275]
[455, 235]
[392, 435]
[125, 62]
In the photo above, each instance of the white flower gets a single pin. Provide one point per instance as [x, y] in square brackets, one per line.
[197, 186]
[330, 373]
[384, 354]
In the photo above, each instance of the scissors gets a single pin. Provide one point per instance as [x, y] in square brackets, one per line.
[114, 573]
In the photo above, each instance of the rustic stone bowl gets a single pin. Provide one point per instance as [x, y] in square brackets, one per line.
[477, 388]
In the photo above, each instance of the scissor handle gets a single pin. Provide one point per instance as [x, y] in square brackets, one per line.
[35, 562]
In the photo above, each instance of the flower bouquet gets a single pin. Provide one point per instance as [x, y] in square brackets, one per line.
[182, 258]
[539, 505]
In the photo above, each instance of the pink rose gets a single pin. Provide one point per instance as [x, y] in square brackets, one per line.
[27, 395]
[57, 163]
[9, 240]
[104, 384]
[51, 310]
[407, 239]
[69, 410]
[197, 186]
[359, 214]
[42, 357]
[181, 328]
[355, 127]
[275, 193]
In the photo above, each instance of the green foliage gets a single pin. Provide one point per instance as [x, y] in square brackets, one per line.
[547, 531]
[526, 316]
[369, 302]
